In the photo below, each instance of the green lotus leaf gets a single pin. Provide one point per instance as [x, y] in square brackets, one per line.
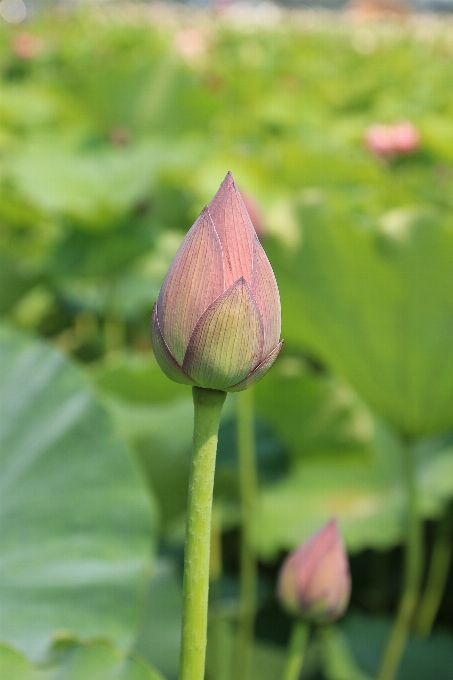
[375, 303]
[74, 661]
[76, 521]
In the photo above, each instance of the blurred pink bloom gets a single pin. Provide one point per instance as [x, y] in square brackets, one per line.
[406, 138]
[26, 45]
[378, 139]
[217, 321]
[190, 43]
[314, 582]
[254, 210]
[391, 140]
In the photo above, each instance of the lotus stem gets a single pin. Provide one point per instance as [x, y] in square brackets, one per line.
[208, 406]
[437, 578]
[296, 651]
[396, 644]
[248, 569]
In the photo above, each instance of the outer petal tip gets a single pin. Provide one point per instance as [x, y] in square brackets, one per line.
[163, 354]
[235, 230]
[259, 372]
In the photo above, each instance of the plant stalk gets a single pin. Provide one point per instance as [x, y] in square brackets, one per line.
[396, 644]
[437, 578]
[208, 406]
[248, 567]
[296, 651]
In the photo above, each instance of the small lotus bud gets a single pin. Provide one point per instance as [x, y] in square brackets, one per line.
[217, 321]
[314, 582]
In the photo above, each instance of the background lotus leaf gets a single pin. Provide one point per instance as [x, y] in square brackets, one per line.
[77, 523]
[374, 301]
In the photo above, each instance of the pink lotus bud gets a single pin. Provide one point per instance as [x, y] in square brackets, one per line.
[217, 321]
[314, 582]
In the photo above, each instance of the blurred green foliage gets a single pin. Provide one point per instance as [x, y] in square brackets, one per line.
[117, 126]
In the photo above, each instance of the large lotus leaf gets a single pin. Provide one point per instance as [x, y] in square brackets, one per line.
[365, 490]
[375, 303]
[76, 522]
[93, 188]
[312, 412]
[423, 659]
[160, 633]
[155, 415]
[74, 661]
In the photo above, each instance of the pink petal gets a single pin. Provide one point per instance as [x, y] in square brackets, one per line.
[163, 354]
[264, 288]
[235, 230]
[194, 280]
[259, 372]
[226, 343]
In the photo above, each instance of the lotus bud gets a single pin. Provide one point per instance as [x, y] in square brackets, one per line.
[314, 582]
[217, 321]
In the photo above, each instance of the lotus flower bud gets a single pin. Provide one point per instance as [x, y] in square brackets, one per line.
[217, 321]
[314, 582]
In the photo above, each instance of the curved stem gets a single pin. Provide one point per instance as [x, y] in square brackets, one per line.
[296, 651]
[437, 578]
[248, 571]
[208, 406]
[412, 575]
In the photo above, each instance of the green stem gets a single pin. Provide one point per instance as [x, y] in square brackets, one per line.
[219, 655]
[248, 570]
[208, 406]
[412, 575]
[296, 651]
[437, 578]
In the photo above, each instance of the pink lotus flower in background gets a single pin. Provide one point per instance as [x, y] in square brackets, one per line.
[390, 140]
[217, 321]
[406, 138]
[314, 582]
[255, 214]
[191, 44]
[26, 45]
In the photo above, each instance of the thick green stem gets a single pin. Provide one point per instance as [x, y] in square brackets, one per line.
[296, 651]
[437, 578]
[248, 571]
[208, 406]
[412, 575]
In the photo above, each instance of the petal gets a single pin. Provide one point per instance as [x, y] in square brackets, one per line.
[258, 373]
[194, 280]
[227, 341]
[164, 357]
[264, 288]
[235, 230]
